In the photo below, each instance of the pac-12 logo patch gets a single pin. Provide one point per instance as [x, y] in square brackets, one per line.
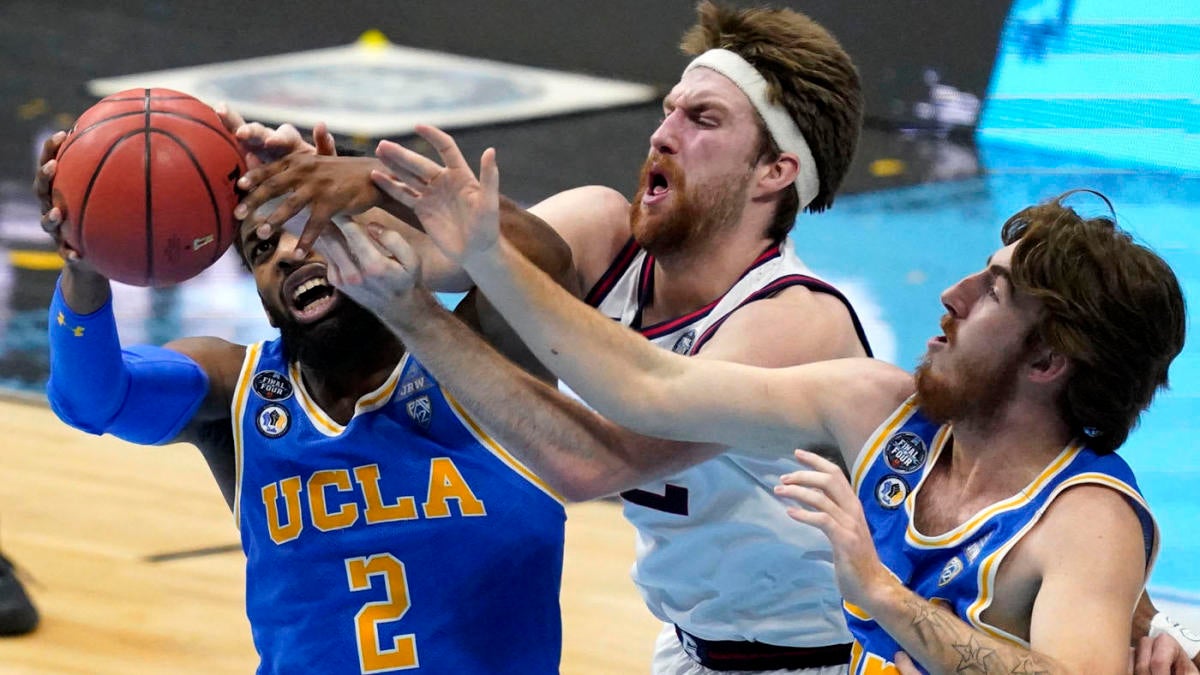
[420, 410]
[272, 385]
[951, 570]
[890, 491]
[684, 344]
[905, 452]
[273, 420]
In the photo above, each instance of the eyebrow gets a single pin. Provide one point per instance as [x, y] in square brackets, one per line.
[702, 101]
[1002, 272]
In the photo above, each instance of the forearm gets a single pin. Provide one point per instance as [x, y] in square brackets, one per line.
[941, 642]
[529, 234]
[84, 291]
[539, 243]
[145, 394]
[598, 358]
[579, 454]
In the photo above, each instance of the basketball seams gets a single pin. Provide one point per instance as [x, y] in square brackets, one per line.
[79, 222]
[204, 180]
[103, 173]
[147, 155]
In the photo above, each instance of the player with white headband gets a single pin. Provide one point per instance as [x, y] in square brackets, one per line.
[762, 124]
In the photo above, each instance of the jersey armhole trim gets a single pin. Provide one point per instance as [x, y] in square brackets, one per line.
[496, 449]
[237, 412]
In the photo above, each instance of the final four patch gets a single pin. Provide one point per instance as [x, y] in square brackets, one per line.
[890, 491]
[905, 452]
[272, 385]
[273, 420]
[420, 409]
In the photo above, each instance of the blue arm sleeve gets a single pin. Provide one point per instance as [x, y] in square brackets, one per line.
[143, 394]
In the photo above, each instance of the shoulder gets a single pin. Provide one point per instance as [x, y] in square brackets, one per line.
[220, 359]
[795, 326]
[594, 221]
[1087, 518]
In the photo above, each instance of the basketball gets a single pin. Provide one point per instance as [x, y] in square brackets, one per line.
[145, 182]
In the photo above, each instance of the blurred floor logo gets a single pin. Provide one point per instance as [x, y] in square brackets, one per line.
[373, 88]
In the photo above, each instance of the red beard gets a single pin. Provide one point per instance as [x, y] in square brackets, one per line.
[692, 217]
[974, 392]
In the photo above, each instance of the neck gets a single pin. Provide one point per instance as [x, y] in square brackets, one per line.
[337, 389]
[691, 278]
[1006, 450]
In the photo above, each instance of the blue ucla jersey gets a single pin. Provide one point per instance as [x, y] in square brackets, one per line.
[957, 569]
[407, 540]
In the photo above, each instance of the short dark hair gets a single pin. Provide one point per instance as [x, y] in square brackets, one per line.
[1111, 305]
[806, 71]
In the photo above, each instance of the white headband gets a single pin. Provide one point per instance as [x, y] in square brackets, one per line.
[779, 123]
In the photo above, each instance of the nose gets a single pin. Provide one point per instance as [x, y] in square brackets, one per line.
[665, 138]
[959, 298]
[284, 258]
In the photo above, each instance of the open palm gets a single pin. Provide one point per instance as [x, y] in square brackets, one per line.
[459, 212]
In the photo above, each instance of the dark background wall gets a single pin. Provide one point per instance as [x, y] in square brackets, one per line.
[49, 49]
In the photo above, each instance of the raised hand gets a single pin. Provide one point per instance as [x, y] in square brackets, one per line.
[371, 264]
[52, 216]
[828, 503]
[459, 212]
[325, 185]
[263, 145]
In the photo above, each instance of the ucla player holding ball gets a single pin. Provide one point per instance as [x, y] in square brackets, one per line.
[384, 530]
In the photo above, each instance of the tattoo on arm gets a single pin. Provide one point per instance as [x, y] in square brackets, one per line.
[949, 641]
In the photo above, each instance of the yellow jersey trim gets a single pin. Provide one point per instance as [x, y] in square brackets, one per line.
[990, 566]
[368, 402]
[237, 409]
[496, 449]
[968, 528]
[875, 441]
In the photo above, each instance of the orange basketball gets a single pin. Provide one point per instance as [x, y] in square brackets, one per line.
[145, 182]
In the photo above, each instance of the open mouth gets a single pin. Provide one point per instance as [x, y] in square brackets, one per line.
[657, 187]
[308, 295]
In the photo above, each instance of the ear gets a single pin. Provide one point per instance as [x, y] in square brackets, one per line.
[1047, 365]
[776, 175]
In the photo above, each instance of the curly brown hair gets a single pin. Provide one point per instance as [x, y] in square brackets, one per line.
[806, 71]
[1111, 305]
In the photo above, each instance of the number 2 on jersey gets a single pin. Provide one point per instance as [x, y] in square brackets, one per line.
[364, 573]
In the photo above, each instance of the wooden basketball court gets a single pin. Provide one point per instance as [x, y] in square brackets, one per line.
[133, 560]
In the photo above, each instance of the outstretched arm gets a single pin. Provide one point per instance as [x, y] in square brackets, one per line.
[580, 454]
[626, 378]
[331, 186]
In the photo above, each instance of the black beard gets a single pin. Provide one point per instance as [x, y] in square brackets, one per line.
[346, 341]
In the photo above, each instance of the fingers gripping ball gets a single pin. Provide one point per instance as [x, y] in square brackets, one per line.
[145, 182]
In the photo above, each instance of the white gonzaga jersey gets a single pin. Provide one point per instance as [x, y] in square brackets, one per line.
[717, 554]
